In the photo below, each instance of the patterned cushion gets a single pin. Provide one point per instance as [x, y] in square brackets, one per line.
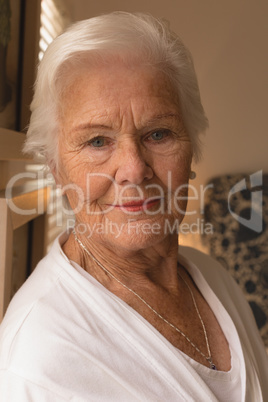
[242, 250]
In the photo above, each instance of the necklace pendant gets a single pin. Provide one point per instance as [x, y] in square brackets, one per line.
[212, 366]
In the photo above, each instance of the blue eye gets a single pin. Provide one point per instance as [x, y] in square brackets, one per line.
[97, 142]
[158, 135]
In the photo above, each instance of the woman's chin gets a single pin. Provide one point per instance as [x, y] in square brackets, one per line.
[138, 233]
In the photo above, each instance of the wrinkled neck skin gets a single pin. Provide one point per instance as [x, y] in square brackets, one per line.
[155, 265]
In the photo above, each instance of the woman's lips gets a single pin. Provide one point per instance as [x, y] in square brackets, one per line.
[141, 205]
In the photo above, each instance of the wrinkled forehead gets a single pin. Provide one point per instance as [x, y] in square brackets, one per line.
[91, 63]
[116, 91]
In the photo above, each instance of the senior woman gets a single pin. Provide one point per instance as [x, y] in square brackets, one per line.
[112, 313]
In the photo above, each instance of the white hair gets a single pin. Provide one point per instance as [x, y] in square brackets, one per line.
[138, 36]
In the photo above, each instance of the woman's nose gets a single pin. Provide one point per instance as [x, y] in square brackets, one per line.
[132, 167]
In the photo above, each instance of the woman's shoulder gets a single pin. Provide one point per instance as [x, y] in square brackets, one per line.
[206, 268]
[33, 297]
[41, 280]
[206, 264]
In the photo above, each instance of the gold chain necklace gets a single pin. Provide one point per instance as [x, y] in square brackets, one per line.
[209, 357]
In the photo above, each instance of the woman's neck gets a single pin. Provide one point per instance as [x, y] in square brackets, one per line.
[154, 265]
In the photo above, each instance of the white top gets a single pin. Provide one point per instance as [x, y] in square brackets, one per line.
[226, 386]
[67, 338]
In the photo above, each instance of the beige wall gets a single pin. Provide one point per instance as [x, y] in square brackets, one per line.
[228, 40]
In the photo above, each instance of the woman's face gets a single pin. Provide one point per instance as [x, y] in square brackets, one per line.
[124, 156]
